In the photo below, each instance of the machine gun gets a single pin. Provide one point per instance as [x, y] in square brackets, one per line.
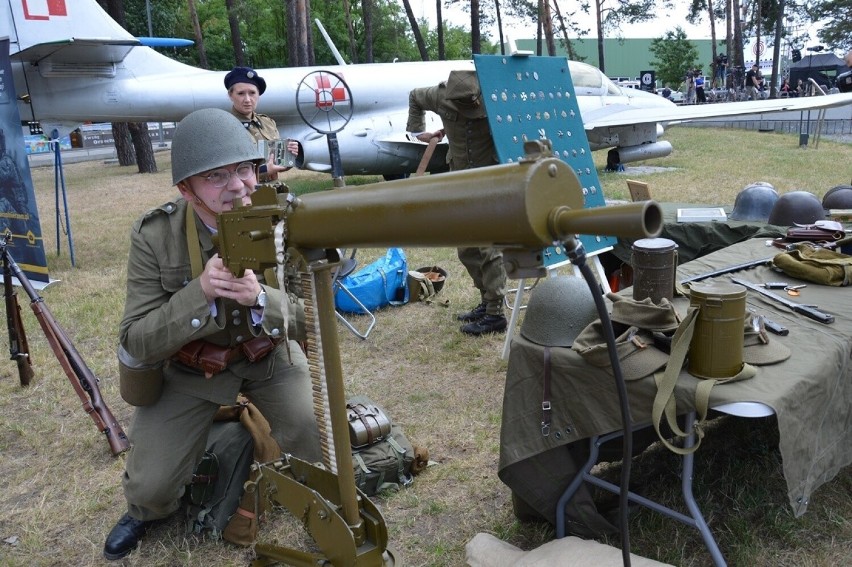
[82, 379]
[521, 207]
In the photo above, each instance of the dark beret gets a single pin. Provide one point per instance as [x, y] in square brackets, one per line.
[245, 75]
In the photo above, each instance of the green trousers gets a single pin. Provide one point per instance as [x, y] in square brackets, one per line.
[485, 266]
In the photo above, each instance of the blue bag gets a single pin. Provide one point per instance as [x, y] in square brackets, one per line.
[384, 282]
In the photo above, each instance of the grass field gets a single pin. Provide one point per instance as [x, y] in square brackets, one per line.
[61, 486]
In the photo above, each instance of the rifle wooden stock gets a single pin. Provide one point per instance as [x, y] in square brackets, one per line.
[81, 377]
[19, 348]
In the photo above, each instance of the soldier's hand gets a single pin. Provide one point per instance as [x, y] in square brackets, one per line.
[218, 281]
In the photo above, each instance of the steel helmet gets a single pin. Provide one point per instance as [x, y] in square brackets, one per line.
[207, 139]
[839, 197]
[558, 309]
[754, 202]
[796, 207]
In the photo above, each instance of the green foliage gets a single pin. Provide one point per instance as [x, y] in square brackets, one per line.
[673, 55]
[837, 29]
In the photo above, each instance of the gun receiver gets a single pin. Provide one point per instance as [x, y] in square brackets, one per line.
[522, 208]
[82, 379]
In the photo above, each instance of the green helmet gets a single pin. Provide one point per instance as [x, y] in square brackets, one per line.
[207, 139]
[558, 309]
[796, 207]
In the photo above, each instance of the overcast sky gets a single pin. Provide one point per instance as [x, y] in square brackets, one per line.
[655, 28]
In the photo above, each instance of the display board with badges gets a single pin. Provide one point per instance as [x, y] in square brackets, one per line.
[532, 98]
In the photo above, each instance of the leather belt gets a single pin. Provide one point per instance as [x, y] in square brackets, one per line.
[212, 359]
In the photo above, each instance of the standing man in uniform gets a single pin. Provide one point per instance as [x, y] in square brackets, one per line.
[244, 89]
[458, 102]
[215, 335]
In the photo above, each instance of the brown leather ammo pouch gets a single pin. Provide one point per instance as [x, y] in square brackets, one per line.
[206, 356]
[258, 347]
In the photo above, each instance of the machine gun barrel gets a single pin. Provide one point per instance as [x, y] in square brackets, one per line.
[531, 204]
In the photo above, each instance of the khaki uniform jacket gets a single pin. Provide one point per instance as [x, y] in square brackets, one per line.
[469, 139]
[166, 308]
[260, 126]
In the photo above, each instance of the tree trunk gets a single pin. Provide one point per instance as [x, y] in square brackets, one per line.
[123, 145]
[738, 35]
[569, 47]
[199, 39]
[367, 9]
[236, 37]
[500, 27]
[599, 20]
[350, 29]
[301, 34]
[475, 37]
[142, 145]
[713, 54]
[548, 30]
[415, 29]
[776, 51]
[309, 33]
[539, 32]
[439, 21]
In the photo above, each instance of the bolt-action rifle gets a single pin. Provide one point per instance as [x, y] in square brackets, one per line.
[521, 208]
[19, 348]
[82, 379]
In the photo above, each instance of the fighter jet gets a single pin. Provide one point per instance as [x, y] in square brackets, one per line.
[72, 63]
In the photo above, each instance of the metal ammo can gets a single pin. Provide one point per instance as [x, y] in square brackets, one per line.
[716, 350]
[654, 262]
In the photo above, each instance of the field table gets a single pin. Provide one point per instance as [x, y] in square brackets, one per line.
[810, 393]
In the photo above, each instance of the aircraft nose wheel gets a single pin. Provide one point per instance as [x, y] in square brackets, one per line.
[324, 101]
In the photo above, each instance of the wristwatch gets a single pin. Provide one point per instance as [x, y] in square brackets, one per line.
[260, 302]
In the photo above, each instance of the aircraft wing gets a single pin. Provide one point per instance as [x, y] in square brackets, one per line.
[623, 115]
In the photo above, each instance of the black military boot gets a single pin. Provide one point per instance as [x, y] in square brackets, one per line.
[124, 537]
[476, 313]
[487, 324]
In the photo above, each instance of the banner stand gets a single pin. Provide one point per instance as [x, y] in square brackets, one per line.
[59, 182]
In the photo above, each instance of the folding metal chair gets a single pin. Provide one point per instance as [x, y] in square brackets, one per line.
[346, 267]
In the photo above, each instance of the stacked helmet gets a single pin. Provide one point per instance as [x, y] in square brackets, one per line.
[796, 207]
[207, 139]
[754, 202]
[839, 197]
[558, 309]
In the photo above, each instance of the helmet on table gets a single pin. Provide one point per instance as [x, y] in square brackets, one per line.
[754, 202]
[796, 207]
[207, 139]
[559, 308]
[839, 197]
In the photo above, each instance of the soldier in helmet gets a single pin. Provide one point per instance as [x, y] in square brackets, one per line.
[245, 87]
[185, 308]
[458, 101]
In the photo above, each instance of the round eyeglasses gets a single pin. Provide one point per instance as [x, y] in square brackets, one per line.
[221, 177]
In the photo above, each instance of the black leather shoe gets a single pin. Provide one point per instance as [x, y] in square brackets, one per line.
[477, 312]
[124, 537]
[487, 324]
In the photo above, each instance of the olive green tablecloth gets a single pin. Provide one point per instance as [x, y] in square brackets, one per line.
[695, 239]
[811, 392]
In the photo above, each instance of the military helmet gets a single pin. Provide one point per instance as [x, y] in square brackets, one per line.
[207, 139]
[754, 202]
[796, 207]
[839, 197]
[559, 308]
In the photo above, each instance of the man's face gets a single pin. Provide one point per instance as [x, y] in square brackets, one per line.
[244, 97]
[218, 189]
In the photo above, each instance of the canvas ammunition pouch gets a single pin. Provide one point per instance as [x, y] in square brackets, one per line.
[816, 264]
[420, 287]
[212, 359]
[389, 461]
[140, 384]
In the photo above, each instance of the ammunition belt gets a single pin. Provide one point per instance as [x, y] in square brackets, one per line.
[212, 359]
